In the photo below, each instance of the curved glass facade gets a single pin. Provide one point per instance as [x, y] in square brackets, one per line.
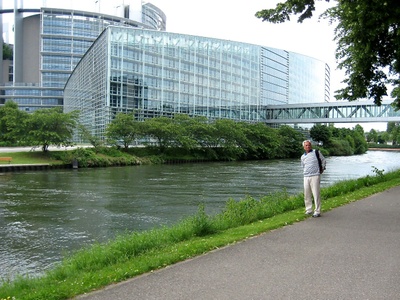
[153, 17]
[159, 74]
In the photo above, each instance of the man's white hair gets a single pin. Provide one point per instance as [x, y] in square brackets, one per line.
[306, 141]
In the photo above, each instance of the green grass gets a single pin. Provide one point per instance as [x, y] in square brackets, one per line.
[136, 253]
[33, 157]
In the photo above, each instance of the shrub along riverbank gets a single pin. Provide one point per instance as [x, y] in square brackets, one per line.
[90, 157]
[139, 252]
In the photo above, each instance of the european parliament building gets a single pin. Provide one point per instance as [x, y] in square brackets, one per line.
[102, 64]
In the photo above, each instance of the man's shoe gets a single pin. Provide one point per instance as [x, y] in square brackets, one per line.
[316, 215]
[309, 213]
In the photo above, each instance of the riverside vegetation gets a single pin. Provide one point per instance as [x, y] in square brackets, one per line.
[136, 253]
[221, 139]
[224, 140]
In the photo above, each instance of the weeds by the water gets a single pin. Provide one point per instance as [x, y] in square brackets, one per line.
[139, 252]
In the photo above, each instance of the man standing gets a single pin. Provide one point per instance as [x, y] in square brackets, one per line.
[313, 163]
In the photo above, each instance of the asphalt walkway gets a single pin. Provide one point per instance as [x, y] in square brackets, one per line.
[351, 252]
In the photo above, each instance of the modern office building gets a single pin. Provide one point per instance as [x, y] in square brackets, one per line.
[155, 73]
[50, 37]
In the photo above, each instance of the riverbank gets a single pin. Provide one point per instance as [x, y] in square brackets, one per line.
[131, 255]
[4, 168]
[384, 149]
[84, 156]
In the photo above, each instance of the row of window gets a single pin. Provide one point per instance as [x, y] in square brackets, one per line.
[160, 55]
[72, 45]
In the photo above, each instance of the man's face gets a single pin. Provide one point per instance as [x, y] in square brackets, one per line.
[307, 147]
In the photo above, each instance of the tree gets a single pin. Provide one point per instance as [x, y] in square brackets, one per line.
[7, 52]
[359, 129]
[163, 130]
[320, 133]
[12, 123]
[201, 131]
[372, 136]
[290, 141]
[395, 135]
[383, 137]
[51, 126]
[186, 138]
[230, 137]
[390, 126]
[360, 144]
[123, 129]
[86, 135]
[367, 43]
[264, 142]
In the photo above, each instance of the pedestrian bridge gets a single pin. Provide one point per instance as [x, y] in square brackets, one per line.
[332, 112]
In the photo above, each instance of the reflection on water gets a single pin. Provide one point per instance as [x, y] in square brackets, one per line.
[45, 214]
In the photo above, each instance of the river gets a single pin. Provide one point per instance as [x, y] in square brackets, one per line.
[46, 214]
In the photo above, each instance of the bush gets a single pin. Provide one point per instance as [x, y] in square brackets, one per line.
[340, 148]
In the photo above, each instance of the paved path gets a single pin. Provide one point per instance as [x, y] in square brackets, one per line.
[351, 252]
[36, 149]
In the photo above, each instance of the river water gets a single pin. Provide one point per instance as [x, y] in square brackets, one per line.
[47, 214]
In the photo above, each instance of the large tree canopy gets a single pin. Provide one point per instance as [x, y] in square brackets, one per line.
[368, 43]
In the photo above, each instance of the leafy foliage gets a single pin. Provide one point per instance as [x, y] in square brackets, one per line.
[367, 43]
[290, 142]
[86, 135]
[51, 127]
[163, 130]
[282, 12]
[7, 52]
[179, 138]
[123, 129]
[42, 128]
[340, 141]
[263, 141]
[372, 136]
[12, 124]
[321, 133]
[367, 47]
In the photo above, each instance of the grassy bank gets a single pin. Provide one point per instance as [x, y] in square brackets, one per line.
[33, 157]
[136, 253]
[112, 156]
[383, 146]
[86, 157]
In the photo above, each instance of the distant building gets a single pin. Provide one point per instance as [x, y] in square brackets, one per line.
[155, 73]
[50, 41]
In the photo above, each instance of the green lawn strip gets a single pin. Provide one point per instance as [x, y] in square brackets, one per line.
[74, 281]
[33, 157]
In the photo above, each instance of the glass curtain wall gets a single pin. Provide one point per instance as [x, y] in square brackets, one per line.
[162, 74]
